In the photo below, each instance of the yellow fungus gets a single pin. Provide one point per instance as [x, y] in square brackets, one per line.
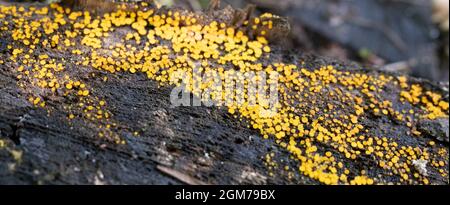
[180, 42]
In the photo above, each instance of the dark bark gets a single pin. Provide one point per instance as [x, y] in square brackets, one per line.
[41, 146]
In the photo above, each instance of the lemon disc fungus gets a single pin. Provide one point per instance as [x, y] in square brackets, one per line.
[327, 117]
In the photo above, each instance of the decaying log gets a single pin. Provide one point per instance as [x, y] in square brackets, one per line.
[176, 145]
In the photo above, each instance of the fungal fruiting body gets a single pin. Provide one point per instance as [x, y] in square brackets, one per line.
[318, 107]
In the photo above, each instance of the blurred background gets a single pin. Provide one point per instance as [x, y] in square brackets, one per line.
[407, 36]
